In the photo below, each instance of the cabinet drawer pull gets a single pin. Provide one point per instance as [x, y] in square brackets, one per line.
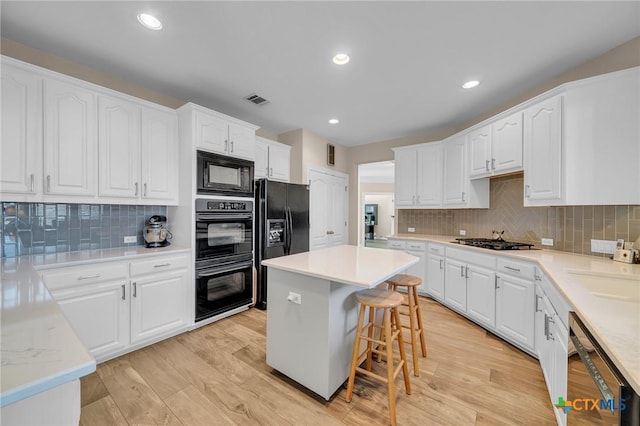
[527, 191]
[86, 277]
[537, 306]
[32, 179]
[496, 282]
[434, 249]
[486, 165]
[136, 193]
[271, 171]
[144, 193]
[462, 270]
[493, 163]
[124, 295]
[135, 290]
[440, 263]
[161, 265]
[463, 194]
[512, 269]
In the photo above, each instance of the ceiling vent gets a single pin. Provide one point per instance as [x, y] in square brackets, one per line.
[256, 99]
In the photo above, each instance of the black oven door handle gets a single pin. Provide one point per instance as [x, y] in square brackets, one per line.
[209, 272]
[592, 369]
[218, 217]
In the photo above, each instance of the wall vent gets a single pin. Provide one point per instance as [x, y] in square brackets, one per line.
[256, 99]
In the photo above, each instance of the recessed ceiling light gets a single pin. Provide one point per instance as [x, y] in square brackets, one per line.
[470, 84]
[334, 121]
[149, 21]
[341, 59]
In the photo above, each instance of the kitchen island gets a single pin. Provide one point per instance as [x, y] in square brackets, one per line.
[312, 312]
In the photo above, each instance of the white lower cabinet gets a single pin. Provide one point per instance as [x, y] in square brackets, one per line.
[455, 284]
[435, 271]
[470, 284]
[418, 249]
[114, 311]
[515, 309]
[481, 295]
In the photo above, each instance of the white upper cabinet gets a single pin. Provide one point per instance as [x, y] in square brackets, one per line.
[480, 152]
[429, 174]
[455, 175]
[405, 177]
[21, 147]
[70, 139]
[119, 148]
[543, 152]
[159, 166]
[496, 148]
[272, 160]
[218, 135]
[418, 175]
[506, 144]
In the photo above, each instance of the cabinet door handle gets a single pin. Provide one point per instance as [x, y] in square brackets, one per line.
[135, 290]
[546, 326]
[441, 264]
[48, 183]
[466, 272]
[32, 179]
[271, 171]
[496, 282]
[136, 193]
[226, 145]
[86, 277]
[512, 269]
[231, 146]
[486, 165]
[161, 265]
[493, 164]
[527, 191]
[537, 305]
[124, 295]
[463, 194]
[549, 333]
[537, 277]
[462, 270]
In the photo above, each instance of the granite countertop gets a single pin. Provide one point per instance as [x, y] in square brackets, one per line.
[40, 349]
[603, 293]
[358, 266]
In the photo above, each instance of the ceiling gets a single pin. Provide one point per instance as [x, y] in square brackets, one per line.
[408, 59]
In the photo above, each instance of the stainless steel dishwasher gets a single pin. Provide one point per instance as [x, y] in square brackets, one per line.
[596, 391]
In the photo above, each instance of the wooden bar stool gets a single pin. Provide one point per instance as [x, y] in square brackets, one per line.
[388, 301]
[415, 318]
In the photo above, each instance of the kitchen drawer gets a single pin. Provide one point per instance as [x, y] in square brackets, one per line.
[436, 249]
[469, 256]
[72, 276]
[397, 244]
[416, 245]
[159, 264]
[516, 268]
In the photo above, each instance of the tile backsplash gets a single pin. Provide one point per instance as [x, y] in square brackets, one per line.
[571, 227]
[36, 228]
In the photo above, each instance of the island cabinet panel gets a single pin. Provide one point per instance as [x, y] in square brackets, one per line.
[318, 332]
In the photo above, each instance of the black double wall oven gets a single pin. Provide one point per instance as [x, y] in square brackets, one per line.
[224, 255]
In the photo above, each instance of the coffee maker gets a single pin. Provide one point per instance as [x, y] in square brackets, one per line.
[155, 232]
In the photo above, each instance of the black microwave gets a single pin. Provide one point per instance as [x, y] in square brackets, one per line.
[222, 175]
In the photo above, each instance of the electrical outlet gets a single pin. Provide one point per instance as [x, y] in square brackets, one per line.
[130, 239]
[603, 246]
[463, 232]
[295, 298]
[411, 229]
[547, 242]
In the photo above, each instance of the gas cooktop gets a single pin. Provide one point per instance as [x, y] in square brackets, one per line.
[492, 244]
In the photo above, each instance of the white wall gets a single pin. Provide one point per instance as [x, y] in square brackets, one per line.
[385, 218]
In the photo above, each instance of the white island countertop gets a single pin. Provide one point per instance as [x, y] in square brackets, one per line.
[359, 266]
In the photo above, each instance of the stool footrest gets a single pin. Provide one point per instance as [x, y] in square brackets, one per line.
[372, 374]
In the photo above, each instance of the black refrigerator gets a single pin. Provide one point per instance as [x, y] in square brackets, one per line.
[282, 226]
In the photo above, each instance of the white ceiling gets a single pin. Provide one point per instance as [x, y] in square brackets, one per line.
[408, 58]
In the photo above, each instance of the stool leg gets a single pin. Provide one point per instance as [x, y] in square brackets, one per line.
[412, 325]
[403, 355]
[372, 312]
[356, 351]
[390, 380]
[423, 342]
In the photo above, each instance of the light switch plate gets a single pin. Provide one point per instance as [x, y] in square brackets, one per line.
[411, 229]
[547, 242]
[294, 298]
[603, 246]
[463, 232]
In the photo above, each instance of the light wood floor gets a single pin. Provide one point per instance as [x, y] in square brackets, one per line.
[217, 375]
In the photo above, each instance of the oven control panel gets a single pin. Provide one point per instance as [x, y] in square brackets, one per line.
[203, 205]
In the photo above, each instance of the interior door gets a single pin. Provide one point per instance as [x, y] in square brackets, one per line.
[319, 184]
[337, 211]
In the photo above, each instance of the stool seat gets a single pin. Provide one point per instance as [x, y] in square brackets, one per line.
[403, 280]
[379, 298]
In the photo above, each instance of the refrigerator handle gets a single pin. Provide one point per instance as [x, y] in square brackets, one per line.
[288, 231]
